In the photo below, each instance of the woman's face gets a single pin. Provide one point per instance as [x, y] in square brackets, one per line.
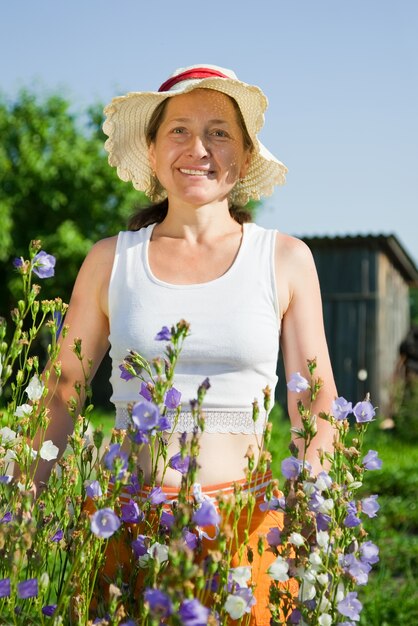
[198, 153]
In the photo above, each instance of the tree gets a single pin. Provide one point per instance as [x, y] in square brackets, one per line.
[55, 185]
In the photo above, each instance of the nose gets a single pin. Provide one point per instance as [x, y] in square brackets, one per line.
[198, 147]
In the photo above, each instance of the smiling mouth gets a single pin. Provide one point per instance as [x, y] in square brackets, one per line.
[195, 172]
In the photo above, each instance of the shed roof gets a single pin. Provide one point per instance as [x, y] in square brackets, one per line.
[389, 244]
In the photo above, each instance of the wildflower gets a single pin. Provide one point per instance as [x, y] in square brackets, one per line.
[351, 519]
[93, 489]
[43, 264]
[359, 570]
[190, 539]
[7, 517]
[172, 398]
[291, 467]
[369, 553]
[274, 536]
[370, 506]
[130, 513]
[307, 590]
[57, 536]
[323, 481]
[139, 546]
[104, 523]
[6, 479]
[157, 496]
[206, 514]
[28, 588]
[274, 504]
[145, 392]
[239, 603]
[297, 383]
[116, 456]
[296, 539]
[23, 410]
[341, 408]
[145, 415]
[159, 602]
[350, 606]
[35, 389]
[364, 411]
[323, 521]
[179, 463]
[371, 461]
[48, 451]
[163, 335]
[4, 587]
[322, 539]
[18, 262]
[323, 579]
[125, 374]
[240, 575]
[193, 613]
[7, 435]
[278, 570]
[167, 520]
[325, 620]
[158, 551]
[49, 609]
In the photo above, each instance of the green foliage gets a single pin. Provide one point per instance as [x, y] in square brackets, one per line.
[413, 296]
[55, 185]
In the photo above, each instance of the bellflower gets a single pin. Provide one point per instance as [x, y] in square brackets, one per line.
[145, 392]
[156, 496]
[371, 461]
[49, 451]
[114, 455]
[163, 335]
[145, 415]
[364, 411]
[130, 513]
[4, 587]
[369, 553]
[341, 408]
[93, 489]
[139, 545]
[323, 481]
[6, 479]
[125, 374]
[28, 588]
[370, 506]
[35, 389]
[104, 523]
[7, 435]
[274, 504]
[7, 517]
[18, 262]
[240, 575]
[190, 539]
[296, 539]
[274, 536]
[297, 383]
[167, 520]
[23, 410]
[350, 606]
[158, 551]
[325, 620]
[43, 264]
[180, 464]
[239, 603]
[351, 520]
[159, 602]
[279, 569]
[291, 467]
[206, 514]
[49, 609]
[57, 536]
[359, 570]
[193, 613]
[172, 398]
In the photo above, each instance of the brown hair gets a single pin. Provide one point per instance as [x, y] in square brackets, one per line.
[157, 212]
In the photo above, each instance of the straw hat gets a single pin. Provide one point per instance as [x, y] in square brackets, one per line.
[127, 119]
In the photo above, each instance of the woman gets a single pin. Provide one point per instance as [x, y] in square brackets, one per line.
[193, 148]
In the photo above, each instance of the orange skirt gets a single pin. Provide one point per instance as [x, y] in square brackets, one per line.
[119, 558]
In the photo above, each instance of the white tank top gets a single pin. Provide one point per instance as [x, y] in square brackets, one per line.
[234, 324]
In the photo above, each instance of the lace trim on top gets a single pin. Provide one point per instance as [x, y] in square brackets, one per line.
[216, 421]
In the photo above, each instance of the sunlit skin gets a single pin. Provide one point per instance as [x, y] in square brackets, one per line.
[199, 153]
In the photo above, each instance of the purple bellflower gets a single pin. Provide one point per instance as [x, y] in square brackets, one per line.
[350, 606]
[146, 416]
[140, 545]
[115, 455]
[43, 264]
[351, 520]
[28, 588]
[370, 506]
[193, 613]
[104, 523]
[49, 609]
[364, 411]
[172, 398]
[206, 514]
[4, 587]
[163, 335]
[341, 408]
[297, 383]
[180, 464]
[131, 513]
[291, 467]
[159, 602]
[371, 461]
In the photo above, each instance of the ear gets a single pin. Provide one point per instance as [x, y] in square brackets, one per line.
[151, 156]
[245, 164]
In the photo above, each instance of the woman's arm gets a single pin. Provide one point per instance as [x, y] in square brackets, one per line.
[303, 336]
[87, 319]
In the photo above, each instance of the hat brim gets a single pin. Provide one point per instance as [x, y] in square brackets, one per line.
[128, 117]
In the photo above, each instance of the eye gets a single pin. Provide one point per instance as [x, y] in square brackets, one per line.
[179, 130]
[218, 132]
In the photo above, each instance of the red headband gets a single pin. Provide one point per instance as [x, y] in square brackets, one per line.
[197, 72]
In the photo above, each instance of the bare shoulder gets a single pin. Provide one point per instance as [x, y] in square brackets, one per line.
[103, 251]
[294, 267]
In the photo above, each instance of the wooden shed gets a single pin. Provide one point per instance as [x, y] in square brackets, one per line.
[365, 284]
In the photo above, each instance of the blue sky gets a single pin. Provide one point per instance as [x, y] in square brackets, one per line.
[341, 77]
